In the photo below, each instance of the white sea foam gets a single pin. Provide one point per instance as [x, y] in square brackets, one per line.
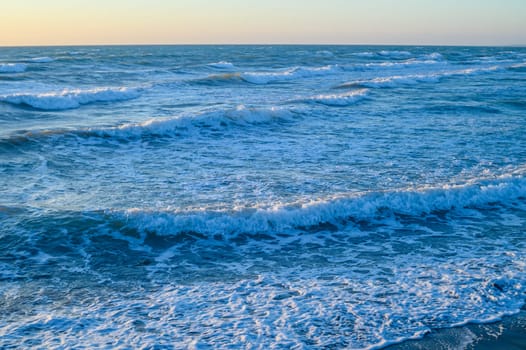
[365, 206]
[70, 98]
[12, 67]
[289, 74]
[340, 100]
[223, 65]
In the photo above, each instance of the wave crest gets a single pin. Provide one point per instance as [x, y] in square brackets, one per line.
[175, 126]
[222, 65]
[262, 78]
[333, 211]
[70, 99]
[42, 59]
[337, 100]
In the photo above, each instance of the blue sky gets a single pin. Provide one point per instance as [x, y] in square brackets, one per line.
[418, 22]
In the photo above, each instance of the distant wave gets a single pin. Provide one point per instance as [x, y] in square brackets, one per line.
[41, 60]
[367, 54]
[413, 79]
[432, 56]
[411, 63]
[222, 65]
[518, 66]
[324, 53]
[395, 54]
[168, 127]
[334, 211]
[12, 67]
[261, 78]
[69, 99]
[339, 100]
[218, 79]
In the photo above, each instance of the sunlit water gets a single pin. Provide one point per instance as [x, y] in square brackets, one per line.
[258, 196]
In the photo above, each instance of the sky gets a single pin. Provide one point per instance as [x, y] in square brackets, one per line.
[413, 22]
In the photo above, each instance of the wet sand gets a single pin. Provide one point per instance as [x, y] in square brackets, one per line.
[508, 334]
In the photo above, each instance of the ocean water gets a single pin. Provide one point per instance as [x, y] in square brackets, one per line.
[259, 197]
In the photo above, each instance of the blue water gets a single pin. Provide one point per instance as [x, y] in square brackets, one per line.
[258, 196]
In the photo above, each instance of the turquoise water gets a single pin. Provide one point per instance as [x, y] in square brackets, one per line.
[258, 196]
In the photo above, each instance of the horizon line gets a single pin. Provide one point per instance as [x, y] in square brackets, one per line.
[260, 44]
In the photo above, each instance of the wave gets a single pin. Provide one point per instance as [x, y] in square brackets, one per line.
[432, 56]
[218, 79]
[70, 99]
[392, 81]
[41, 60]
[324, 53]
[411, 63]
[329, 212]
[337, 100]
[168, 127]
[367, 54]
[12, 67]
[413, 79]
[518, 67]
[222, 65]
[262, 78]
[240, 116]
[394, 54]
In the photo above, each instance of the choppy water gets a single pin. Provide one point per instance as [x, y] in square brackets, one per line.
[258, 196]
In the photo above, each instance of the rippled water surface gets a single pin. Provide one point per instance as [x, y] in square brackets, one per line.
[258, 196]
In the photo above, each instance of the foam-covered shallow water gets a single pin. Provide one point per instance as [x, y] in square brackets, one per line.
[260, 196]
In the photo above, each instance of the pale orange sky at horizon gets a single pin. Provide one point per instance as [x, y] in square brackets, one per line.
[417, 22]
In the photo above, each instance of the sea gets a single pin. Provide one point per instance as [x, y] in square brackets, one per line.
[259, 197]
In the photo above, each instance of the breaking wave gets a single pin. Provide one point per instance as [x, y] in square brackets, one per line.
[41, 60]
[70, 98]
[337, 100]
[329, 212]
[222, 65]
[167, 127]
[413, 79]
[262, 78]
[395, 54]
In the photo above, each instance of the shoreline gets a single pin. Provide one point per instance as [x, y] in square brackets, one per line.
[507, 334]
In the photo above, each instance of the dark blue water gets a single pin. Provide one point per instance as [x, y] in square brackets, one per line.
[258, 196]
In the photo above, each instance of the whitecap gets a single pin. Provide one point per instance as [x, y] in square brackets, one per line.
[42, 59]
[70, 98]
[337, 100]
[222, 65]
[289, 74]
[279, 217]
